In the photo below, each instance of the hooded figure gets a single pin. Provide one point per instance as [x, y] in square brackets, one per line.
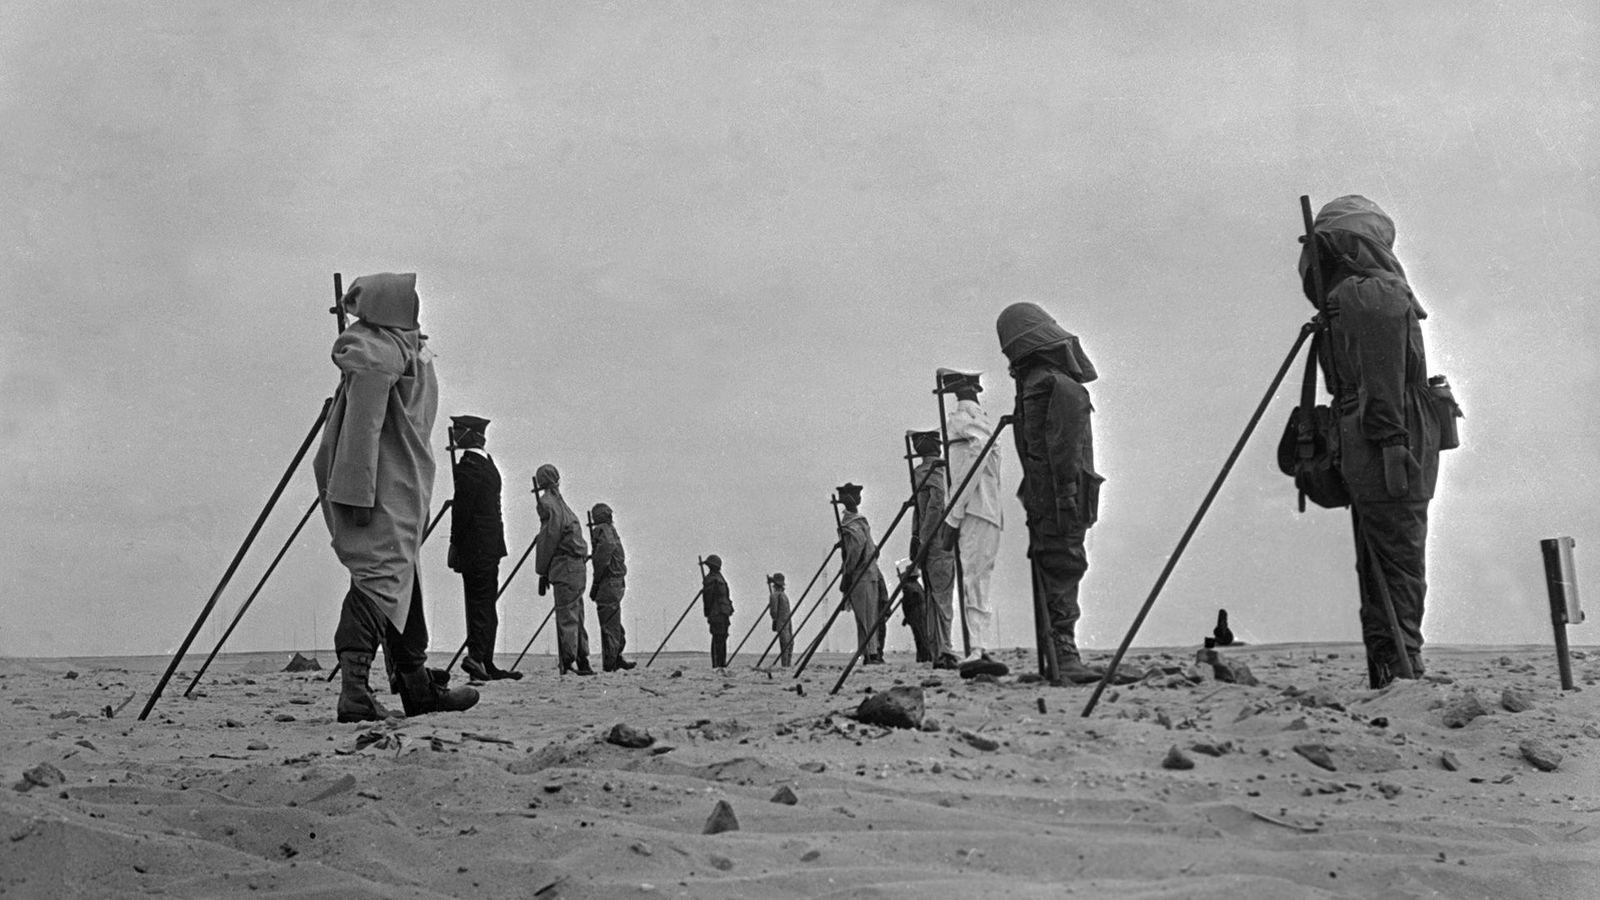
[718, 609]
[559, 562]
[1388, 440]
[610, 568]
[862, 581]
[1060, 490]
[778, 610]
[477, 542]
[976, 517]
[374, 472]
[931, 628]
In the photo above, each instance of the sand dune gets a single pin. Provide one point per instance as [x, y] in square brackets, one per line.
[1306, 785]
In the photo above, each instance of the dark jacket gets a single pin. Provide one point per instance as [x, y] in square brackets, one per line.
[1060, 488]
[1376, 356]
[477, 531]
[560, 532]
[718, 605]
[609, 559]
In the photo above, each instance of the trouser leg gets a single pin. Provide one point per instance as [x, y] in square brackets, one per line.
[1391, 556]
[719, 642]
[941, 572]
[608, 610]
[980, 543]
[567, 578]
[478, 587]
[785, 645]
[1061, 561]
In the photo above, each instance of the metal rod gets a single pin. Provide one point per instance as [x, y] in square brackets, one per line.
[315, 502]
[1194, 523]
[893, 602]
[497, 594]
[697, 595]
[861, 570]
[547, 614]
[322, 417]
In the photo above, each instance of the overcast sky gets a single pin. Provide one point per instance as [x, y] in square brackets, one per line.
[705, 257]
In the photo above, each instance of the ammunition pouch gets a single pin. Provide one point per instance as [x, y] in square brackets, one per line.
[1308, 451]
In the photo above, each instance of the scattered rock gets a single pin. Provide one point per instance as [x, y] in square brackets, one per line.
[70, 675]
[720, 863]
[624, 735]
[1177, 759]
[642, 848]
[1232, 671]
[811, 856]
[722, 819]
[299, 663]
[283, 717]
[1449, 762]
[1389, 791]
[932, 724]
[1379, 722]
[1463, 708]
[815, 768]
[785, 795]
[1317, 755]
[42, 775]
[1515, 701]
[1210, 749]
[257, 745]
[980, 742]
[984, 666]
[1543, 757]
[898, 707]
[1578, 654]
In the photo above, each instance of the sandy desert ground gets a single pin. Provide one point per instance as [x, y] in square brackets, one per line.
[1305, 785]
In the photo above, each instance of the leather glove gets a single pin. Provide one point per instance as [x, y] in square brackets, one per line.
[360, 515]
[544, 585]
[1399, 468]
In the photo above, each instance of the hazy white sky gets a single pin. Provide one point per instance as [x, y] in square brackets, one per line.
[705, 258]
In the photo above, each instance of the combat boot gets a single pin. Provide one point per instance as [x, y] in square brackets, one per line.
[1070, 669]
[420, 694]
[499, 674]
[475, 670]
[356, 703]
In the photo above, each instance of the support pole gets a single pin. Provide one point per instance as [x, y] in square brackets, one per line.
[322, 417]
[697, 594]
[243, 607]
[1561, 579]
[1177, 554]
[922, 555]
[847, 586]
[497, 594]
[548, 613]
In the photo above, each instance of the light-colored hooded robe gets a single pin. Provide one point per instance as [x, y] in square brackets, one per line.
[375, 449]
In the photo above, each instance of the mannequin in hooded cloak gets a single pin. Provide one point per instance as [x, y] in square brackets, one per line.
[1060, 490]
[558, 559]
[374, 472]
[1388, 438]
[610, 583]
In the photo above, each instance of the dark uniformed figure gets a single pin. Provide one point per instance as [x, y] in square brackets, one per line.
[862, 580]
[1388, 430]
[1060, 489]
[610, 583]
[718, 608]
[932, 532]
[477, 543]
[559, 563]
[1222, 635]
[913, 603]
[778, 609]
[374, 472]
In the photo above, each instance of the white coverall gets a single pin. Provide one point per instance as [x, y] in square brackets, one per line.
[977, 513]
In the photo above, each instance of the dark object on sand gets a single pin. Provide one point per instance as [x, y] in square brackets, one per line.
[898, 707]
[1222, 633]
[984, 666]
[303, 664]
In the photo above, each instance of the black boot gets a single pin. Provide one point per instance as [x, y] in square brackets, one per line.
[499, 674]
[583, 667]
[356, 703]
[475, 670]
[419, 694]
[625, 665]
